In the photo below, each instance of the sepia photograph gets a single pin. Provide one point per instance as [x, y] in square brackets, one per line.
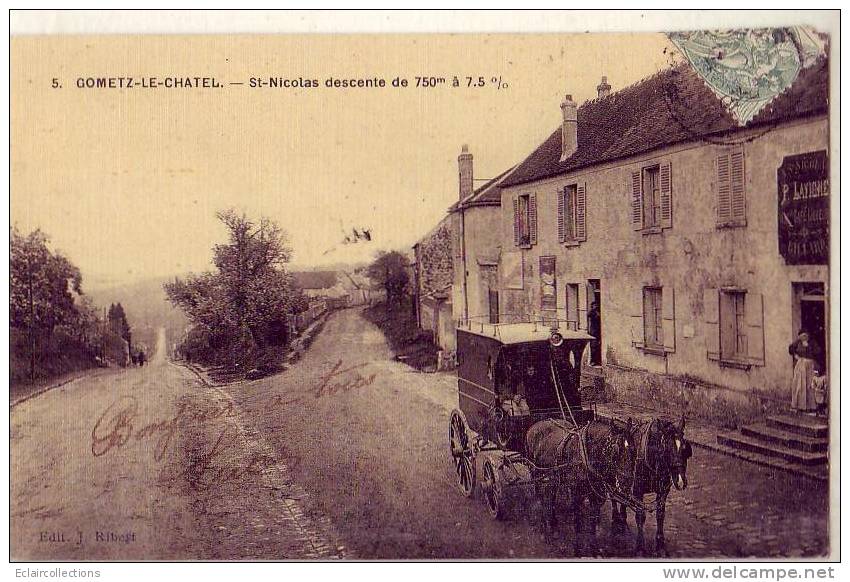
[527, 294]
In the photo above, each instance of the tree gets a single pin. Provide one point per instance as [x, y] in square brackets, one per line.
[42, 288]
[118, 323]
[237, 305]
[389, 270]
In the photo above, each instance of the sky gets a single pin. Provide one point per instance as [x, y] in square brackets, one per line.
[126, 182]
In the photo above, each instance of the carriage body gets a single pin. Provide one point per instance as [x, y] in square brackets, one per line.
[506, 378]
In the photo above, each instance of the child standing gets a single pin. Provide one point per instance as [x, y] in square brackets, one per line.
[820, 386]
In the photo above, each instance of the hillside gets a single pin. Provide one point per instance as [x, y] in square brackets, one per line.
[147, 309]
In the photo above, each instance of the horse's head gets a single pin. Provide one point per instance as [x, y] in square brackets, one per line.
[675, 450]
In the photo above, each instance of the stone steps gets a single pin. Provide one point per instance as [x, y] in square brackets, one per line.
[791, 440]
[756, 445]
[818, 472]
[811, 426]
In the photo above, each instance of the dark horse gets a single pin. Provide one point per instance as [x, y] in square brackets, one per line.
[587, 461]
[661, 462]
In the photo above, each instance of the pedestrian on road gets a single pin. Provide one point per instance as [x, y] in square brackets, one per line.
[594, 328]
[804, 351]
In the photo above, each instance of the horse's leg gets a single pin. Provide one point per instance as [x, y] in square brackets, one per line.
[660, 544]
[594, 511]
[577, 503]
[640, 519]
[547, 506]
[615, 517]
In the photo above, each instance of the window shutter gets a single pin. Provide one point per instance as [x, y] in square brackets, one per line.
[562, 234]
[636, 320]
[516, 221]
[637, 202]
[724, 189]
[582, 306]
[738, 200]
[668, 318]
[581, 211]
[754, 316]
[532, 218]
[648, 324]
[711, 310]
[666, 179]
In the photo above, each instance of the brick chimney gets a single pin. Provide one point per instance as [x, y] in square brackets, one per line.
[603, 89]
[569, 130]
[464, 172]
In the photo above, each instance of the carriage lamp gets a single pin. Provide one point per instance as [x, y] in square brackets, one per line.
[556, 339]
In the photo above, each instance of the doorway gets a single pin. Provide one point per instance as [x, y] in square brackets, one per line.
[810, 315]
[594, 320]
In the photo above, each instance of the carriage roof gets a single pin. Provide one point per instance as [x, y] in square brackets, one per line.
[517, 333]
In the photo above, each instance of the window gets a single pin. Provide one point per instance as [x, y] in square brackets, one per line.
[653, 321]
[734, 332]
[730, 188]
[572, 209]
[570, 212]
[525, 220]
[653, 329]
[493, 305]
[652, 198]
[572, 306]
[524, 231]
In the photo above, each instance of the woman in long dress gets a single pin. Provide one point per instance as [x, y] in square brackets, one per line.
[804, 351]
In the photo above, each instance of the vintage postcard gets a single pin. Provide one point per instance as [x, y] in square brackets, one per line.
[425, 296]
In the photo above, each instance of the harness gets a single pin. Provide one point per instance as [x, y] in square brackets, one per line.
[653, 473]
[581, 433]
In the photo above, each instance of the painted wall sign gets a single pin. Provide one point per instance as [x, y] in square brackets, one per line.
[803, 182]
[548, 293]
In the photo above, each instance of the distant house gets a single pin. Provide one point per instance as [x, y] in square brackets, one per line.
[317, 283]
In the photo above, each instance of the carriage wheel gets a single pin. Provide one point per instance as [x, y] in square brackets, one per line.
[462, 456]
[494, 494]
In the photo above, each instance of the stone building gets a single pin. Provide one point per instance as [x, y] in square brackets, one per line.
[476, 218]
[456, 275]
[704, 243]
[432, 284]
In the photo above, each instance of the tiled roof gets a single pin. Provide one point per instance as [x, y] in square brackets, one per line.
[490, 194]
[315, 279]
[672, 106]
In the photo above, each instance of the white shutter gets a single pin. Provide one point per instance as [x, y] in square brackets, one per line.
[636, 320]
[582, 306]
[711, 311]
[754, 316]
[668, 318]
[637, 202]
[666, 179]
[581, 212]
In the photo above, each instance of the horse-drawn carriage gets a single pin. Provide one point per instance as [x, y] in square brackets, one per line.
[521, 418]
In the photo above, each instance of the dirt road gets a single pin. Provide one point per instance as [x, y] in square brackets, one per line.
[344, 455]
[67, 503]
[367, 437]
